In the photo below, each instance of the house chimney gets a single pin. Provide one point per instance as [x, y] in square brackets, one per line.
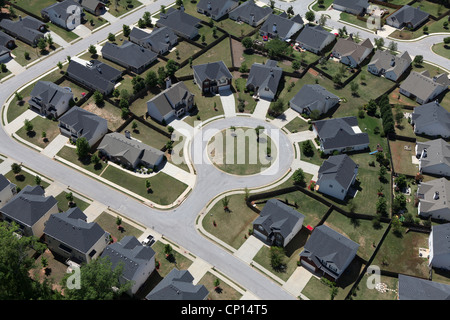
[127, 134]
[436, 196]
[274, 28]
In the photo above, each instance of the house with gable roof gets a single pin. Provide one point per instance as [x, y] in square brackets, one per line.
[7, 190]
[250, 13]
[351, 53]
[66, 14]
[422, 87]
[314, 38]
[431, 119]
[26, 29]
[412, 288]
[390, 66]
[49, 99]
[216, 9]
[434, 198]
[356, 7]
[264, 79]
[313, 97]
[183, 24]
[212, 77]
[434, 157]
[408, 17]
[439, 244]
[160, 40]
[278, 26]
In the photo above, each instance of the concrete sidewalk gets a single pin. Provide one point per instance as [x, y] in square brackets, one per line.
[179, 174]
[19, 121]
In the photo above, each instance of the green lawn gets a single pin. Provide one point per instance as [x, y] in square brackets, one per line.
[97, 21]
[306, 56]
[147, 135]
[442, 50]
[122, 7]
[351, 18]
[63, 33]
[139, 106]
[433, 9]
[165, 189]
[332, 68]
[40, 125]
[231, 227]
[108, 223]
[289, 87]
[33, 6]
[63, 204]
[179, 261]
[433, 27]
[326, 4]
[297, 125]
[313, 158]
[235, 28]
[23, 179]
[223, 292]
[364, 293]
[4, 74]
[70, 154]
[249, 101]
[402, 153]
[185, 50]
[207, 31]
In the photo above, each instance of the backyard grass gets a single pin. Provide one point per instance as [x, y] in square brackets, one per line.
[24, 179]
[364, 293]
[55, 270]
[230, 154]
[306, 56]
[106, 111]
[40, 124]
[297, 125]
[442, 50]
[333, 67]
[396, 98]
[4, 74]
[402, 254]
[33, 6]
[120, 7]
[147, 135]
[313, 158]
[223, 292]
[433, 9]
[238, 29]
[207, 31]
[288, 88]
[139, 106]
[63, 33]
[63, 204]
[70, 154]
[231, 227]
[108, 223]
[185, 50]
[179, 261]
[97, 21]
[165, 189]
[402, 153]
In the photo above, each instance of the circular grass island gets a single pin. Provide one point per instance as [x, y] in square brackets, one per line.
[242, 151]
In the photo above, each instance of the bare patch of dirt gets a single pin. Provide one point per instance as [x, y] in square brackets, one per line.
[238, 50]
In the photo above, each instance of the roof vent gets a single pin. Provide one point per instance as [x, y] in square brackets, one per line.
[436, 195]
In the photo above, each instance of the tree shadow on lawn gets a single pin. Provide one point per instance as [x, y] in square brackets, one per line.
[20, 177]
[31, 134]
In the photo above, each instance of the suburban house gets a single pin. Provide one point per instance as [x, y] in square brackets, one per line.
[69, 235]
[172, 102]
[280, 27]
[183, 24]
[216, 9]
[212, 77]
[341, 134]
[130, 152]
[434, 157]
[95, 7]
[431, 119]
[351, 53]
[313, 97]
[7, 190]
[356, 7]
[161, 40]
[250, 13]
[423, 88]
[177, 285]
[277, 223]
[79, 123]
[129, 55]
[390, 66]
[66, 14]
[95, 75]
[439, 244]
[314, 38]
[336, 175]
[29, 209]
[6, 44]
[407, 17]
[433, 199]
[49, 99]
[328, 252]
[27, 29]
[137, 260]
[264, 79]
[412, 288]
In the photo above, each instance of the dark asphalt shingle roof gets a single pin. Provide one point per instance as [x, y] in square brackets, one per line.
[4, 182]
[438, 152]
[313, 37]
[353, 4]
[265, 76]
[338, 133]
[129, 54]
[171, 97]
[62, 8]
[82, 121]
[156, 39]
[408, 14]
[411, 288]
[212, 71]
[283, 25]
[340, 168]
[249, 8]
[429, 114]
[427, 190]
[314, 97]
[441, 238]
[5, 39]
[27, 28]
[384, 60]
[422, 85]
[50, 93]
[213, 6]
[179, 21]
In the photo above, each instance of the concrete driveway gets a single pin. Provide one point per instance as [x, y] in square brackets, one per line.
[261, 109]
[228, 103]
[249, 249]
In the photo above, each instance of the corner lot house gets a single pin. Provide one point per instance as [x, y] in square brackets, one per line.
[27, 29]
[66, 14]
[216, 9]
[314, 39]
[280, 27]
[434, 157]
[439, 244]
[341, 134]
[183, 24]
[250, 13]
[172, 102]
[407, 17]
[7, 190]
[423, 88]
[95, 75]
[29, 209]
[351, 53]
[49, 99]
[388, 65]
[129, 55]
[138, 261]
[356, 7]
[277, 223]
[161, 40]
[313, 97]
[130, 152]
[212, 77]
[71, 237]
[95, 7]
[412, 288]
[328, 252]
[431, 119]
[177, 285]
[433, 199]
[264, 79]
[79, 123]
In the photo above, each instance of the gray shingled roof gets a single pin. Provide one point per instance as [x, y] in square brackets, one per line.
[408, 14]
[177, 285]
[117, 145]
[314, 97]
[156, 39]
[411, 288]
[27, 28]
[422, 85]
[71, 228]
[82, 121]
[5, 39]
[215, 5]
[438, 151]
[348, 47]
[284, 25]
[212, 71]
[353, 4]
[50, 93]
[329, 246]
[340, 168]
[4, 182]
[61, 8]
[265, 76]
[130, 253]
[384, 60]
[29, 205]
[129, 54]
[277, 217]
[429, 114]
[313, 37]
[171, 96]
[441, 239]
[338, 133]
[179, 21]
[90, 4]
[427, 190]
[249, 8]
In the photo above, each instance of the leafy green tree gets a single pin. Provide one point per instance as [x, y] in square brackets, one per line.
[277, 258]
[111, 37]
[28, 125]
[258, 131]
[18, 96]
[59, 65]
[299, 177]
[124, 111]
[147, 19]
[276, 47]
[92, 50]
[225, 203]
[307, 148]
[168, 250]
[277, 107]
[16, 168]
[98, 98]
[171, 67]
[379, 43]
[296, 65]
[83, 147]
[354, 88]
[126, 30]
[42, 45]
[372, 107]
[396, 226]
[418, 60]
[381, 206]
[151, 79]
[310, 15]
[37, 180]
[247, 42]
[401, 182]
